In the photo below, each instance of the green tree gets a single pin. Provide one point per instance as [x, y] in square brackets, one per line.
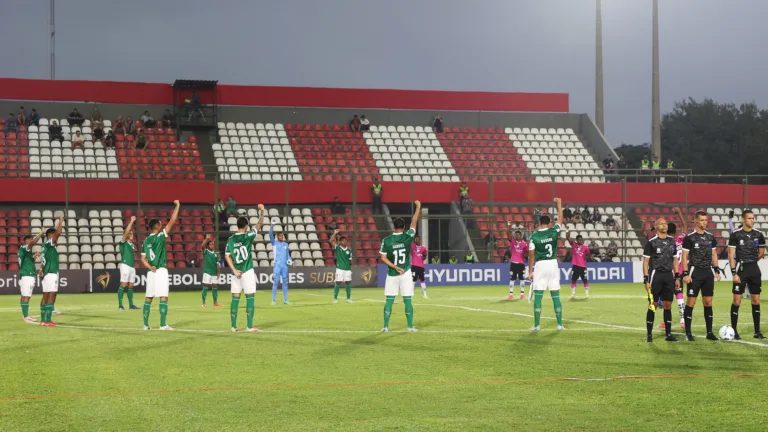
[633, 153]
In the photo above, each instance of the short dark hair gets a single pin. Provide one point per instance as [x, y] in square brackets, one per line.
[545, 220]
[746, 212]
[671, 228]
[153, 222]
[417, 236]
[242, 222]
[27, 238]
[579, 237]
[700, 213]
[518, 232]
[49, 231]
[399, 223]
[342, 238]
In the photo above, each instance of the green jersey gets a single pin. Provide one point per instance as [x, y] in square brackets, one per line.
[50, 258]
[146, 247]
[343, 258]
[397, 248]
[210, 262]
[544, 242]
[127, 250]
[26, 262]
[240, 247]
[154, 249]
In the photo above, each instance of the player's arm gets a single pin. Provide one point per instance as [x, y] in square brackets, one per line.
[230, 263]
[686, 250]
[683, 222]
[732, 243]
[416, 213]
[559, 203]
[272, 238]
[568, 238]
[127, 233]
[146, 262]
[206, 240]
[261, 218]
[174, 217]
[646, 262]
[333, 239]
[531, 259]
[33, 241]
[59, 228]
[509, 230]
[715, 261]
[386, 260]
[760, 246]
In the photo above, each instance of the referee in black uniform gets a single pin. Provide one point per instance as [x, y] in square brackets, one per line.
[700, 268]
[745, 248]
[659, 263]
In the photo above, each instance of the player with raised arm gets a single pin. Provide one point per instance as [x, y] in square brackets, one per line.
[282, 261]
[239, 256]
[659, 277]
[543, 270]
[343, 265]
[418, 255]
[127, 266]
[700, 268]
[153, 257]
[672, 232]
[579, 253]
[745, 248]
[50, 274]
[517, 251]
[27, 273]
[395, 252]
[211, 270]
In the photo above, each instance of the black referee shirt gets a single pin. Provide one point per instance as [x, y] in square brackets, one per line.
[747, 244]
[699, 248]
[662, 252]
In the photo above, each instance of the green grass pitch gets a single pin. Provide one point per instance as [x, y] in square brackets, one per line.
[320, 367]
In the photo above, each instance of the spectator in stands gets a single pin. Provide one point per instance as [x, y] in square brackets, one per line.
[111, 140]
[596, 216]
[96, 116]
[194, 106]
[147, 120]
[221, 209]
[54, 130]
[336, 207]
[651, 233]
[34, 118]
[670, 167]
[656, 169]
[75, 118]
[610, 222]
[585, 215]
[78, 140]
[645, 169]
[231, 206]
[354, 124]
[98, 129]
[333, 226]
[576, 218]
[608, 166]
[452, 259]
[621, 163]
[612, 251]
[594, 250]
[130, 126]
[437, 123]
[141, 140]
[168, 119]
[119, 126]
[567, 214]
[21, 118]
[365, 124]
[468, 257]
[435, 259]
[376, 192]
[490, 244]
[11, 124]
[463, 194]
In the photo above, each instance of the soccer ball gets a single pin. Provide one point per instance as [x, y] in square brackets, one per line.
[726, 332]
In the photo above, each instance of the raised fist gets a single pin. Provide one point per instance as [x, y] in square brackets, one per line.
[133, 218]
[417, 203]
[176, 202]
[261, 207]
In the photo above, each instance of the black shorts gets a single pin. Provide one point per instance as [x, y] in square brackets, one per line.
[516, 271]
[751, 279]
[705, 284]
[417, 273]
[662, 286]
[578, 273]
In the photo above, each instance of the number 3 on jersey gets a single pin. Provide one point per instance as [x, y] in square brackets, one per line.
[549, 250]
[399, 257]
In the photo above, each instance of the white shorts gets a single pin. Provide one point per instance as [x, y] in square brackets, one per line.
[343, 275]
[127, 273]
[51, 282]
[27, 285]
[246, 283]
[157, 283]
[210, 279]
[402, 284]
[546, 274]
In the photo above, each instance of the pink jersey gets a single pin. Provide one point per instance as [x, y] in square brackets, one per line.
[418, 254]
[679, 242]
[517, 251]
[579, 254]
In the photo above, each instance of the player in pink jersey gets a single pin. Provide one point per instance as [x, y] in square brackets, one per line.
[672, 232]
[518, 248]
[579, 254]
[418, 255]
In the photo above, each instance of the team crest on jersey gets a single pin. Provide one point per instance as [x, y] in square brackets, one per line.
[658, 250]
[741, 242]
[696, 245]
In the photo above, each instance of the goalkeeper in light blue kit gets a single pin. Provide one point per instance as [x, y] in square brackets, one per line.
[282, 261]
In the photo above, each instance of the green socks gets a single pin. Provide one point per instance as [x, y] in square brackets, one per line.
[558, 306]
[215, 294]
[25, 309]
[120, 296]
[204, 293]
[388, 309]
[130, 297]
[249, 306]
[408, 311]
[349, 291]
[163, 312]
[538, 295]
[233, 310]
[147, 308]
[336, 291]
[43, 312]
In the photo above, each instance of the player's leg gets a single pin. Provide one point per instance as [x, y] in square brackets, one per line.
[275, 281]
[339, 279]
[236, 287]
[26, 286]
[738, 290]
[680, 303]
[693, 292]
[204, 291]
[538, 285]
[512, 277]
[44, 308]
[391, 289]
[121, 288]
[650, 314]
[161, 290]
[755, 288]
[348, 285]
[423, 284]
[406, 290]
[707, 292]
[575, 272]
[667, 283]
[284, 277]
[248, 281]
[553, 283]
[215, 289]
[523, 280]
[148, 297]
[585, 282]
